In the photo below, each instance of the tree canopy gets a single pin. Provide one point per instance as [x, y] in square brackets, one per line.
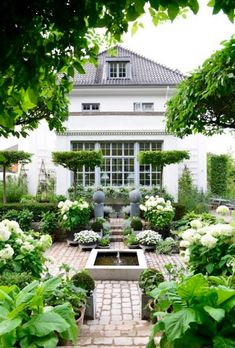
[205, 101]
[41, 40]
[74, 160]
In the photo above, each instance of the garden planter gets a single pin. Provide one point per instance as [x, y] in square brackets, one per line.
[70, 237]
[80, 318]
[91, 306]
[144, 308]
[148, 247]
[137, 232]
[133, 246]
[103, 247]
[88, 245]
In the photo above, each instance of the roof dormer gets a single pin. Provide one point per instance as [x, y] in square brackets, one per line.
[118, 68]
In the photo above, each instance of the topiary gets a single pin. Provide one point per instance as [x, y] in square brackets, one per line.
[84, 280]
[136, 223]
[149, 279]
[97, 225]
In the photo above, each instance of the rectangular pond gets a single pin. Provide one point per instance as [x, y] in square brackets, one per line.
[115, 264]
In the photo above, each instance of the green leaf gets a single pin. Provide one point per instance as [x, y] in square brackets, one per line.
[177, 323]
[221, 342]
[224, 294]
[216, 313]
[173, 10]
[78, 66]
[9, 325]
[44, 324]
[193, 4]
[50, 285]
[210, 268]
[192, 287]
[49, 341]
[66, 313]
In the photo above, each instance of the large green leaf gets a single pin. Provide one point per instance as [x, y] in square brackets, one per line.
[25, 294]
[9, 325]
[193, 287]
[51, 284]
[44, 324]
[224, 294]
[66, 312]
[216, 313]
[49, 341]
[176, 324]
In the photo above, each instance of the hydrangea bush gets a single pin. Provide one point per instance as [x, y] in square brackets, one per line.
[19, 251]
[158, 212]
[86, 237]
[148, 237]
[209, 249]
[74, 214]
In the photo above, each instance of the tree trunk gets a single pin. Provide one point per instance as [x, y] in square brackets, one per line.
[4, 196]
[75, 184]
[161, 180]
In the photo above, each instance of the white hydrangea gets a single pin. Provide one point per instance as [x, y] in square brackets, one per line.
[6, 253]
[4, 233]
[184, 244]
[196, 224]
[189, 235]
[156, 204]
[65, 217]
[222, 210]
[208, 241]
[142, 207]
[45, 242]
[26, 247]
[222, 230]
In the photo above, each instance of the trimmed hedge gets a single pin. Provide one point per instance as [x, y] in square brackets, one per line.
[36, 208]
[162, 158]
[180, 211]
[219, 174]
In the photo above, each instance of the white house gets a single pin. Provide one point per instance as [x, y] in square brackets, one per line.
[118, 107]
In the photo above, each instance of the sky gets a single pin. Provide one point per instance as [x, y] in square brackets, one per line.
[184, 45]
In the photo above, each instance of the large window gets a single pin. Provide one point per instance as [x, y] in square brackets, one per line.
[120, 166]
[85, 175]
[150, 175]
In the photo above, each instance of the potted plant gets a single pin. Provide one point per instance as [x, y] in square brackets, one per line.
[68, 292]
[132, 241]
[149, 279]
[167, 246]
[136, 224]
[104, 243]
[148, 239]
[74, 216]
[97, 226]
[87, 239]
[159, 213]
[84, 280]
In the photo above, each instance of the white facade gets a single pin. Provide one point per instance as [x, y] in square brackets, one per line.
[115, 122]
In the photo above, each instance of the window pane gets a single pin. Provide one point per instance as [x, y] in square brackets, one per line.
[147, 107]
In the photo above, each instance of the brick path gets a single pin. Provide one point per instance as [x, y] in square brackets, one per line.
[117, 322]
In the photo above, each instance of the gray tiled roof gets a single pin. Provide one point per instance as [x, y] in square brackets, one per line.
[144, 71]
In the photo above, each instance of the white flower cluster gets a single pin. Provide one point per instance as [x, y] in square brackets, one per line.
[207, 236]
[149, 237]
[67, 205]
[16, 239]
[156, 203]
[223, 210]
[86, 237]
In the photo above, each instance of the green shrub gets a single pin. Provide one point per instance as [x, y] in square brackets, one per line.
[49, 222]
[97, 225]
[184, 223]
[15, 189]
[136, 223]
[219, 174]
[149, 279]
[23, 217]
[167, 246]
[189, 196]
[36, 208]
[19, 279]
[131, 239]
[105, 241]
[84, 280]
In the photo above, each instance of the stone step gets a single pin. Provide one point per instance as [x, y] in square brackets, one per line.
[117, 238]
[116, 232]
[116, 228]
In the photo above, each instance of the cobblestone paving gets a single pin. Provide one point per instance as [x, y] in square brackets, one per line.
[117, 323]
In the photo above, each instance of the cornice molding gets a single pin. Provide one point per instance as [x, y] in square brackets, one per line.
[112, 132]
[116, 113]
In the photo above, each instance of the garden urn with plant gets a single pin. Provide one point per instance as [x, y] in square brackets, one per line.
[148, 239]
[87, 239]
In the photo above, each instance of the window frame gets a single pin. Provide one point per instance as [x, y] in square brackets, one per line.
[91, 107]
[118, 69]
[139, 106]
